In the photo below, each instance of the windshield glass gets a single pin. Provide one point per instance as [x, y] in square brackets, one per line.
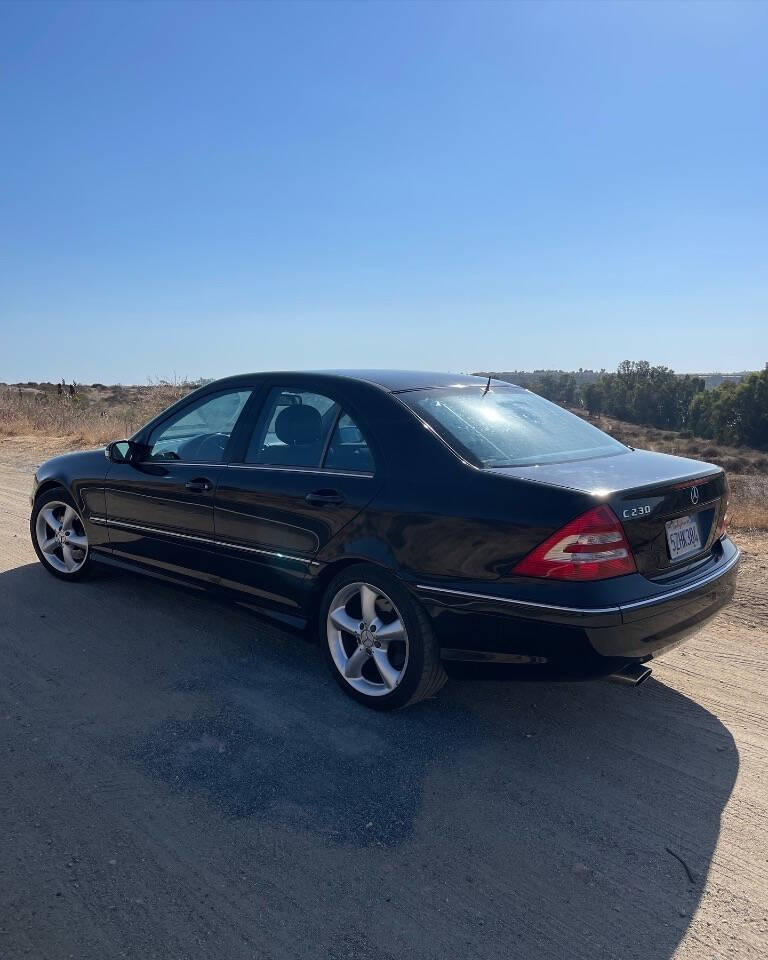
[509, 426]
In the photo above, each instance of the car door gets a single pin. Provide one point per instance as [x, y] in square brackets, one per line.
[305, 472]
[160, 505]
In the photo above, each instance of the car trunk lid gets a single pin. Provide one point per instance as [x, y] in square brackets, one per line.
[671, 526]
[671, 508]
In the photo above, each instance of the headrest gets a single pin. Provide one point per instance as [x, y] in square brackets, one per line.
[299, 424]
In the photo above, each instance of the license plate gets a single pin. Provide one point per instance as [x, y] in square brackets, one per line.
[683, 537]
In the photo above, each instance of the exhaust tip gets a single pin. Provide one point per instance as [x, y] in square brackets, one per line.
[633, 674]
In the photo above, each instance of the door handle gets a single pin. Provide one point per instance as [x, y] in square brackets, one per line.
[325, 498]
[199, 485]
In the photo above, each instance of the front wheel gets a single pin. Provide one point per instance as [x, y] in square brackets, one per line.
[59, 537]
[378, 641]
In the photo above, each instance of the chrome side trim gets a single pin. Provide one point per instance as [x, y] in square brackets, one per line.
[266, 553]
[517, 603]
[634, 605]
[124, 525]
[101, 520]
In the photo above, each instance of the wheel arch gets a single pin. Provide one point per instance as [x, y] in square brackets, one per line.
[324, 578]
[51, 483]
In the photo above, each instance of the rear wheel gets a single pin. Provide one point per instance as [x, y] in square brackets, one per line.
[59, 537]
[378, 641]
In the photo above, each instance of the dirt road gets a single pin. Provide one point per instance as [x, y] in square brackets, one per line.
[178, 780]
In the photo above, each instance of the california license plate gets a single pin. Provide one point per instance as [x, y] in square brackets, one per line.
[683, 537]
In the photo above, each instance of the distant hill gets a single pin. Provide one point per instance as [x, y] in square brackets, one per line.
[729, 407]
[525, 378]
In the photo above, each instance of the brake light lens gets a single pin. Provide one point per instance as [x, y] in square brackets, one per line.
[591, 547]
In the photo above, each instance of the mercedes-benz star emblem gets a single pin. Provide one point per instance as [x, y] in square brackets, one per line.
[694, 494]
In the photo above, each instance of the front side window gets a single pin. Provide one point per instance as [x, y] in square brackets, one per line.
[200, 432]
[509, 426]
[293, 429]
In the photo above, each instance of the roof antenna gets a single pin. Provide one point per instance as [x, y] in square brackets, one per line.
[487, 386]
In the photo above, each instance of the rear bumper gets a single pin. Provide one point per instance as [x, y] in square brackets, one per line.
[576, 641]
[656, 624]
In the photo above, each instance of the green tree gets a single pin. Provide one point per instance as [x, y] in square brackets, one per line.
[593, 396]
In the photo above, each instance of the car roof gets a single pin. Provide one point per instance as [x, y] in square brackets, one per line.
[394, 381]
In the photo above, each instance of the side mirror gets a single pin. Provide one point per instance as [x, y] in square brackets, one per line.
[120, 451]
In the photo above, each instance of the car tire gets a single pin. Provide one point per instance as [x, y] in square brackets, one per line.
[378, 641]
[59, 536]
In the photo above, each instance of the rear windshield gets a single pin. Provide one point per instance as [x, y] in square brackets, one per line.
[508, 426]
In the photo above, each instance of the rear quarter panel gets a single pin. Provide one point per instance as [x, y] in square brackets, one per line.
[461, 526]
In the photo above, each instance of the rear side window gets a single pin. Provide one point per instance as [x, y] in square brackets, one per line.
[293, 429]
[509, 426]
[348, 449]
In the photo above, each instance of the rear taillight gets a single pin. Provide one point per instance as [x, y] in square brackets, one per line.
[591, 547]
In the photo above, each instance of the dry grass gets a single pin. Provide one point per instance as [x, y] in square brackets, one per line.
[92, 417]
[748, 507]
[735, 460]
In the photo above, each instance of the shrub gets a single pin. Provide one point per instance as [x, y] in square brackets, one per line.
[734, 464]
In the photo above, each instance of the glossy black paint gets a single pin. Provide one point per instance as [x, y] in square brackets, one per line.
[155, 497]
[273, 537]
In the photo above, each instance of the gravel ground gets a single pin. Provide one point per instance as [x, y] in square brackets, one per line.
[181, 781]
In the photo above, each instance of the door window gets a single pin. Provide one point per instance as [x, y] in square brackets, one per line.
[348, 449]
[293, 429]
[200, 432]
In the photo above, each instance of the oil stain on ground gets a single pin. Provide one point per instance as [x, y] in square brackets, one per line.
[299, 753]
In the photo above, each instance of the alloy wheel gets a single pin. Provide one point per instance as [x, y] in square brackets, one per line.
[367, 639]
[61, 536]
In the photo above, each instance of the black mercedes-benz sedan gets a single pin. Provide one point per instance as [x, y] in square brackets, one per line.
[419, 524]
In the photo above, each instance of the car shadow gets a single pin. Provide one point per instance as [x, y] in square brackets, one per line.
[547, 819]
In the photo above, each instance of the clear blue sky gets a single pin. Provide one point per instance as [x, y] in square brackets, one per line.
[199, 189]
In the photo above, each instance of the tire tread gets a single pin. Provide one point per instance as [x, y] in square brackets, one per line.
[433, 675]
